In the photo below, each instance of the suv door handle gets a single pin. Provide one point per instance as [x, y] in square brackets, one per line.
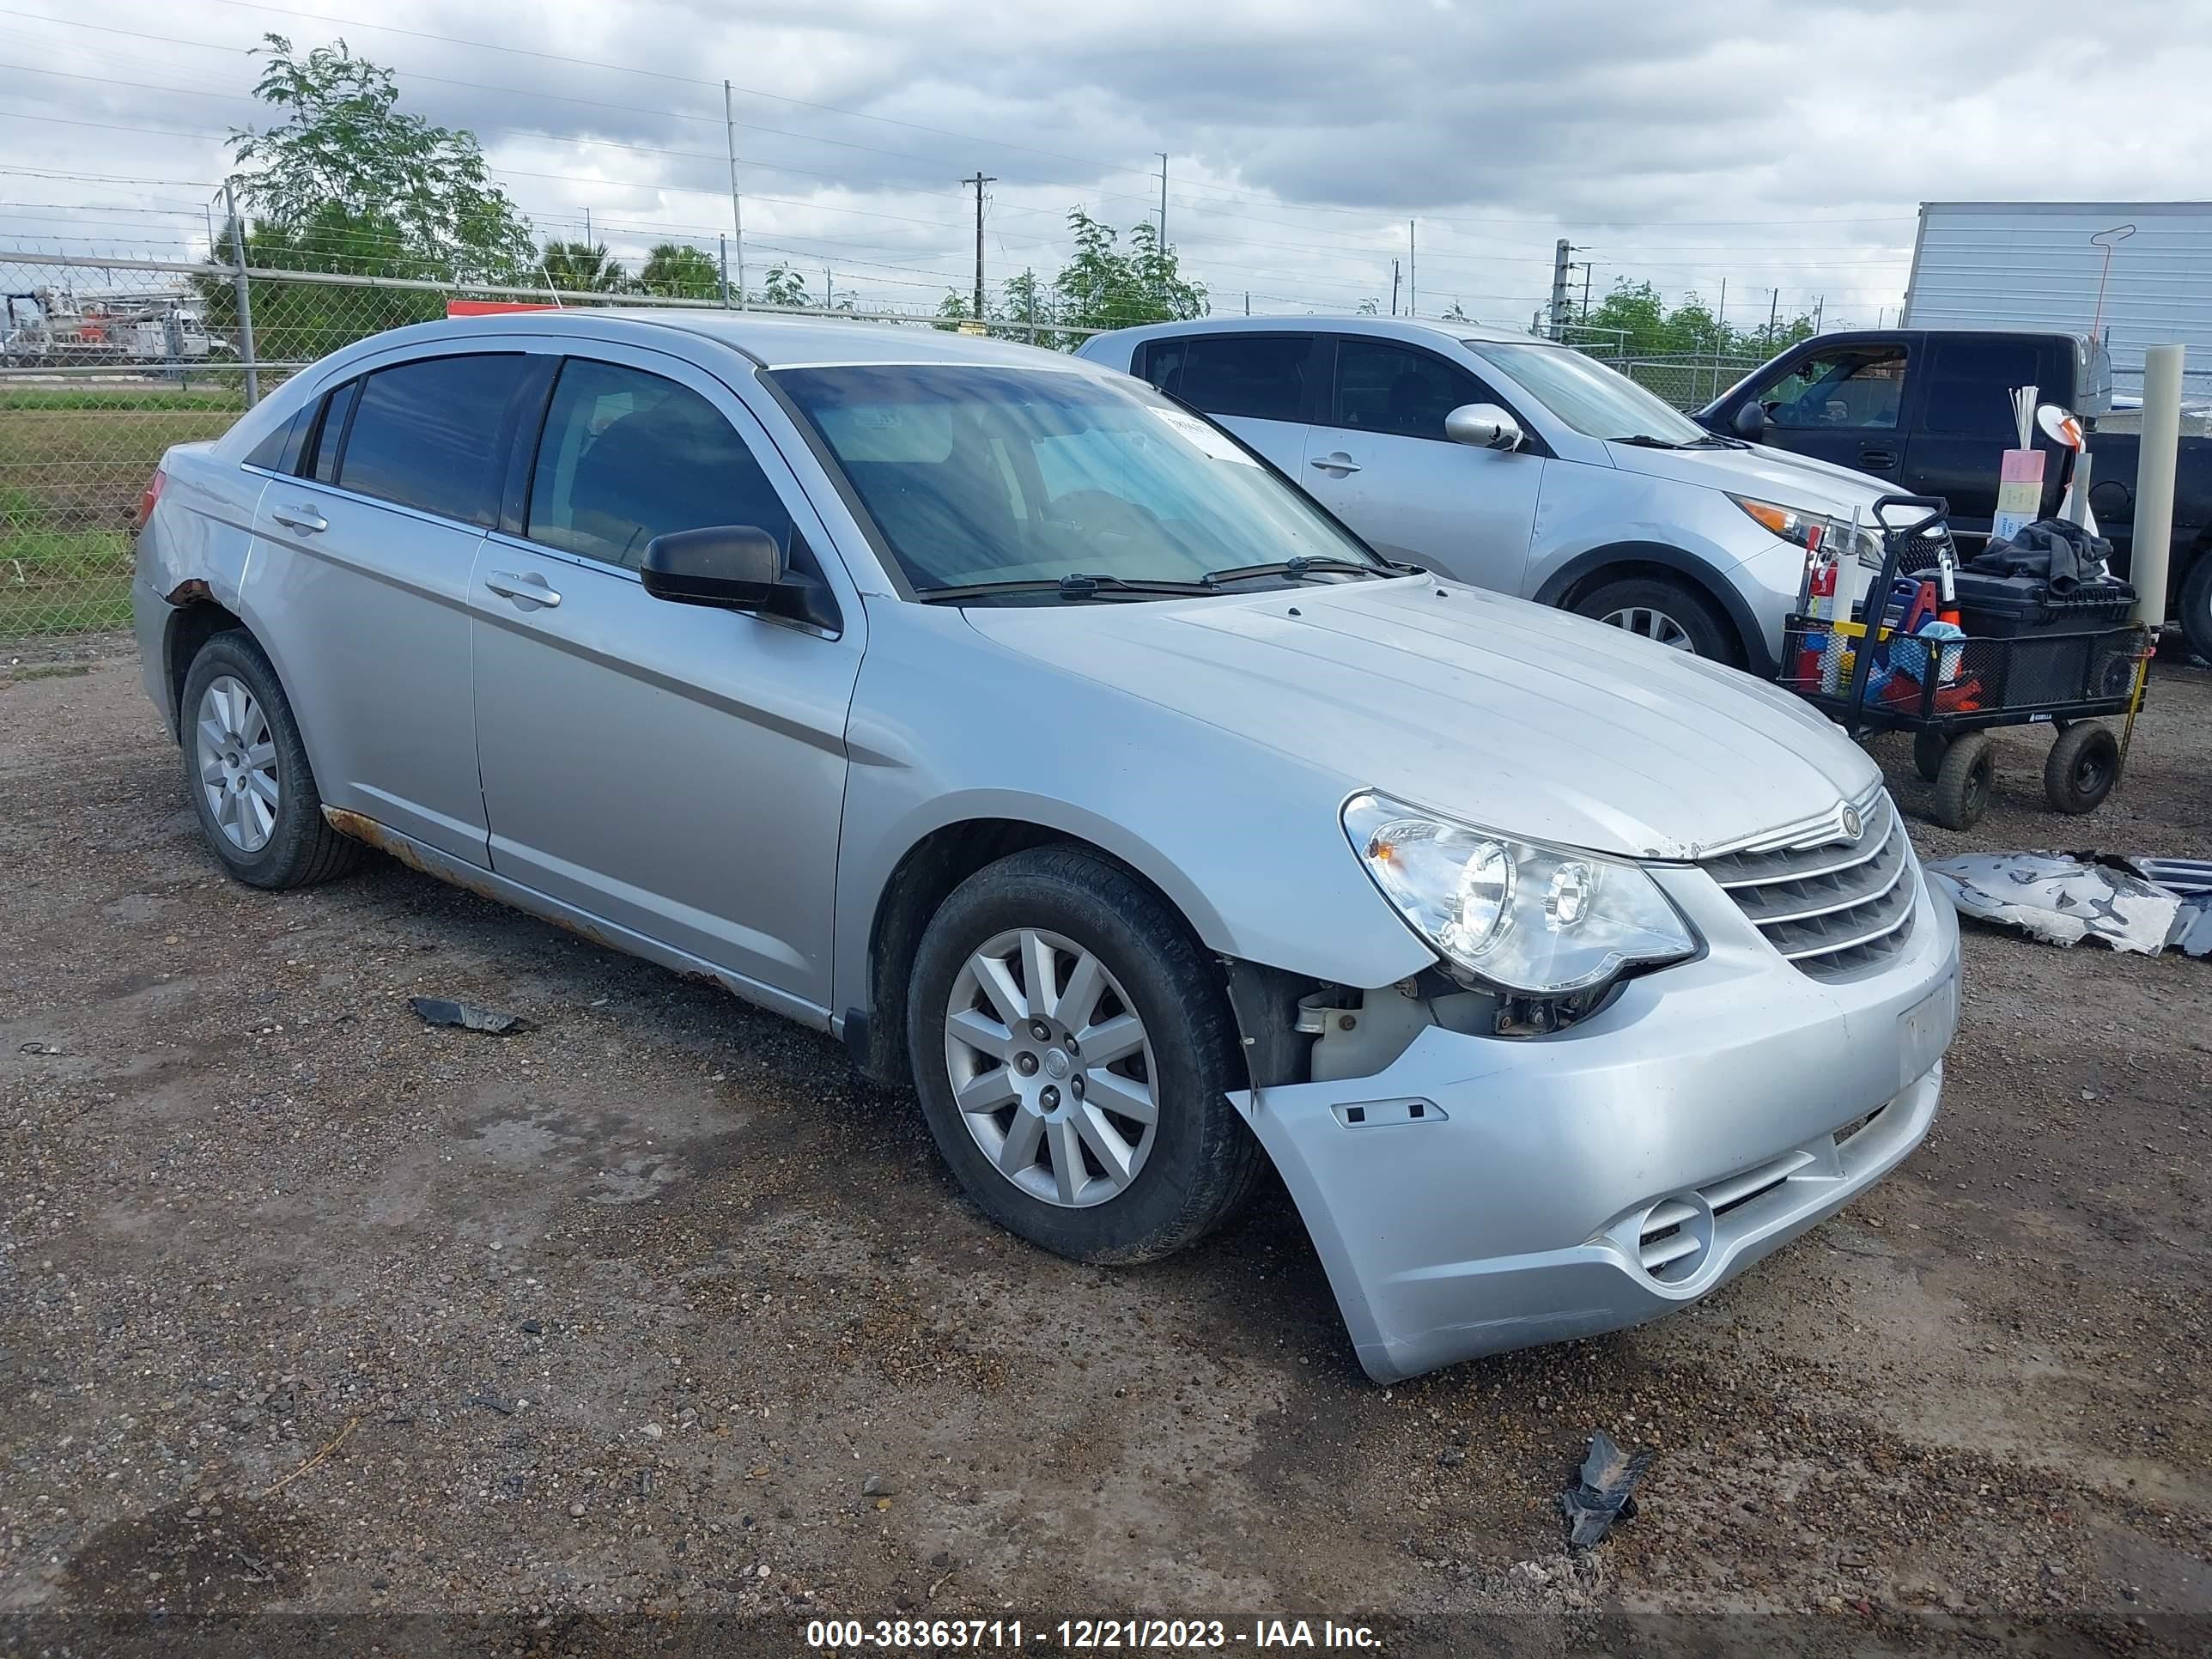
[1877, 457]
[305, 519]
[526, 587]
[1339, 463]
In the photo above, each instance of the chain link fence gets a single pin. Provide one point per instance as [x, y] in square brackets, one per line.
[107, 363]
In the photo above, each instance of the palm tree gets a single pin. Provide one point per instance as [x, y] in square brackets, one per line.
[580, 268]
[677, 272]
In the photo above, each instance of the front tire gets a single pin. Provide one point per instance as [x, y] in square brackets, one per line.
[248, 771]
[1665, 610]
[1074, 1048]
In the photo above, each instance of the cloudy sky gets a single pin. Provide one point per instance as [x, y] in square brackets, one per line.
[1771, 144]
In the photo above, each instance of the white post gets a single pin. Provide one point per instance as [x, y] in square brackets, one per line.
[2160, 446]
[737, 204]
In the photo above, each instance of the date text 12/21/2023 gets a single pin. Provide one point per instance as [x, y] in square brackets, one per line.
[832, 1636]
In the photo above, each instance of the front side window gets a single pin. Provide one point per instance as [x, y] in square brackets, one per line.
[1394, 388]
[427, 434]
[1588, 396]
[1860, 389]
[974, 475]
[1261, 377]
[627, 456]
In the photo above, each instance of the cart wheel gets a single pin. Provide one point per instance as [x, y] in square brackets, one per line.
[1964, 781]
[2084, 764]
[1928, 748]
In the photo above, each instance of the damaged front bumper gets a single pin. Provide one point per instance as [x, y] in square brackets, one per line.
[1479, 1194]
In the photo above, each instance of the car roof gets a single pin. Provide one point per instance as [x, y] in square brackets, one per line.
[1422, 330]
[773, 341]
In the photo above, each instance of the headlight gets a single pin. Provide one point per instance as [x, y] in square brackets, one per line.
[1816, 532]
[1540, 920]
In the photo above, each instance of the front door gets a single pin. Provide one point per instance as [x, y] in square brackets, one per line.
[677, 770]
[1844, 403]
[1378, 458]
[1965, 421]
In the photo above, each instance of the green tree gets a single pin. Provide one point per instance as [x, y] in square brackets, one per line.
[1636, 320]
[1457, 315]
[298, 322]
[953, 308]
[581, 268]
[1102, 286]
[343, 145]
[785, 287]
[1026, 299]
[675, 271]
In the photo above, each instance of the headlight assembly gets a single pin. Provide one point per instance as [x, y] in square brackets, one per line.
[1536, 921]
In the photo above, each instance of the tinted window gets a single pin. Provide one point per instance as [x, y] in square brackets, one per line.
[1970, 390]
[1852, 388]
[427, 434]
[330, 430]
[1381, 387]
[1262, 376]
[279, 451]
[627, 456]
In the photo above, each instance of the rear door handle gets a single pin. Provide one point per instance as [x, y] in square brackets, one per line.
[1339, 463]
[305, 519]
[1877, 457]
[526, 587]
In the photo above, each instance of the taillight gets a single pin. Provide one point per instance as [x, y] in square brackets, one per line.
[153, 494]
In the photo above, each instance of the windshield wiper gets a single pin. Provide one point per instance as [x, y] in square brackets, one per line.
[1717, 441]
[1076, 585]
[1645, 440]
[1295, 568]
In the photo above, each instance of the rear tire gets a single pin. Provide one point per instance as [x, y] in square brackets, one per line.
[1965, 781]
[2084, 766]
[1028, 1119]
[247, 773]
[1662, 609]
[2197, 606]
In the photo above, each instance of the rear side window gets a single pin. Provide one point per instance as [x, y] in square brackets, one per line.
[279, 451]
[627, 456]
[1971, 382]
[1262, 377]
[329, 433]
[1386, 388]
[427, 435]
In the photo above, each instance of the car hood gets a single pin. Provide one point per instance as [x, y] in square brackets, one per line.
[1774, 475]
[1513, 716]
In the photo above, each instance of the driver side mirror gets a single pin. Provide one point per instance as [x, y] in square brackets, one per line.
[735, 567]
[1484, 425]
[1749, 422]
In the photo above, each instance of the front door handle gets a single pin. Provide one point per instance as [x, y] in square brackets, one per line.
[526, 587]
[1877, 457]
[1339, 463]
[305, 519]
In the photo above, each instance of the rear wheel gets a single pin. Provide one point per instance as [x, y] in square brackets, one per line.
[1665, 610]
[2197, 606]
[2082, 767]
[1965, 781]
[248, 774]
[1073, 1050]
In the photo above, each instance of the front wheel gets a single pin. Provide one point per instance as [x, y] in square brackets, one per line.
[1073, 1050]
[1664, 611]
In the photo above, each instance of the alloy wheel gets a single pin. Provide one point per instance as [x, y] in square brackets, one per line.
[1051, 1068]
[237, 756]
[1652, 625]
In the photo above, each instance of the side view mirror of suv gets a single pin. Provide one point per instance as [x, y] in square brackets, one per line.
[1482, 426]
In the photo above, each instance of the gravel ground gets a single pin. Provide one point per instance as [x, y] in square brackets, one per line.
[657, 1309]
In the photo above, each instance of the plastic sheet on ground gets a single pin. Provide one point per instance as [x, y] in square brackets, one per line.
[2141, 905]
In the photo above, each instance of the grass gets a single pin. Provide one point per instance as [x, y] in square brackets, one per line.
[74, 463]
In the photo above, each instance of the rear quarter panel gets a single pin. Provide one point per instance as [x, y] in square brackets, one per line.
[202, 533]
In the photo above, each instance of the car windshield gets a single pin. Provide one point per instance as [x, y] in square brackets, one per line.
[978, 475]
[1590, 397]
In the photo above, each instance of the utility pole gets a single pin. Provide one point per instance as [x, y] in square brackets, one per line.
[1773, 311]
[1248, 303]
[1162, 155]
[1560, 253]
[827, 291]
[587, 227]
[1413, 290]
[722, 257]
[737, 204]
[979, 181]
[1588, 267]
[1820, 310]
[244, 288]
[1393, 287]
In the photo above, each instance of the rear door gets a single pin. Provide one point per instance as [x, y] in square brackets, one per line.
[1848, 403]
[1379, 459]
[675, 769]
[1965, 425]
[361, 563]
[1264, 387]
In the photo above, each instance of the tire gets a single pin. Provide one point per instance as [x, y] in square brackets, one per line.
[1662, 609]
[1929, 747]
[2196, 606]
[290, 846]
[1965, 781]
[1180, 1178]
[2084, 766]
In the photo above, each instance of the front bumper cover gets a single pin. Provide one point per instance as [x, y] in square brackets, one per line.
[1480, 1195]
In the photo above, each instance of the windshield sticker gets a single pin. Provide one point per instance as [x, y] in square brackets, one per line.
[1209, 443]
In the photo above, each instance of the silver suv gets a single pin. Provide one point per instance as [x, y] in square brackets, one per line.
[1522, 466]
[994, 713]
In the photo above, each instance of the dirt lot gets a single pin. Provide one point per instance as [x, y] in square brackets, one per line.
[656, 1310]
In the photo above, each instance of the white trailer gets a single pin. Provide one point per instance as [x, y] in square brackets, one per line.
[2137, 273]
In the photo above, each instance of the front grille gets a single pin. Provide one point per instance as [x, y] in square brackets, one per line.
[1832, 905]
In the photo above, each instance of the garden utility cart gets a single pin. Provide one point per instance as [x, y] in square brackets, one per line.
[2071, 664]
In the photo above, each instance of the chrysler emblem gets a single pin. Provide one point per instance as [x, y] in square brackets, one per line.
[1852, 827]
